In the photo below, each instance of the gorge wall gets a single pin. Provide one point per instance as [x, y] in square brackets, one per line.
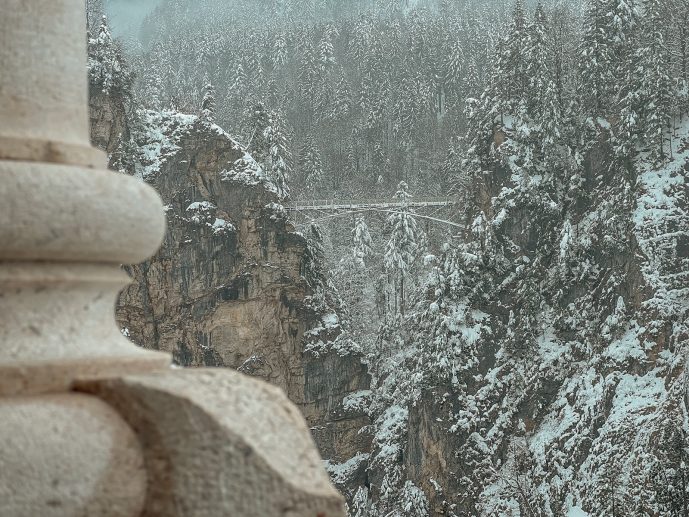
[233, 285]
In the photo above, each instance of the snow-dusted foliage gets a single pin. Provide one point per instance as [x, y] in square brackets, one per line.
[545, 362]
[208, 102]
[106, 66]
[401, 253]
[158, 134]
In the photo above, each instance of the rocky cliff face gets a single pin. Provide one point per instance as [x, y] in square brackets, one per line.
[109, 121]
[234, 285]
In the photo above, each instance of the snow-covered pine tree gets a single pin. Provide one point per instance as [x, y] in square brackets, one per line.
[276, 135]
[152, 90]
[342, 101]
[360, 41]
[311, 167]
[363, 244]
[508, 78]
[353, 278]
[677, 14]
[326, 51]
[314, 266]
[257, 133]
[302, 10]
[671, 478]
[105, 62]
[471, 85]
[512, 68]
[596, 59]
[308, 71]
[279, 52]
[208, 103]
[653, 73]
[413, 501]
[239, 82]
[400, 252]
[453, 68]
[361, 504]
[628, 86]
[538, 62]
[94, 14]
[543, 102]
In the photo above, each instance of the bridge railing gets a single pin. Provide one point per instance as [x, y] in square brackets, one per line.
[330, 204]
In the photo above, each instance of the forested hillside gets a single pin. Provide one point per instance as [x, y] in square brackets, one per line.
[527, 342]
[356, 97]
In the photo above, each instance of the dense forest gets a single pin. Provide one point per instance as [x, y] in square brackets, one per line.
[534, 333]
[356, 102]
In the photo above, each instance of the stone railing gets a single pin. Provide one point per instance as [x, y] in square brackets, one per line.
[91, 425]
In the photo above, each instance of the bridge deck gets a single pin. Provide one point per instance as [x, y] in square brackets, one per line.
[336, 204]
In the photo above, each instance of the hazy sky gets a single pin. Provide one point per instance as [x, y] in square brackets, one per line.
[125, 16]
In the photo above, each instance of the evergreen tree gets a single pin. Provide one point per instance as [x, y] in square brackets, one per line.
[671, 475]
[539, 63]
[152, 90]
[106, 66]
[208, 103]
[240, 80]
[326, 51]
[276, 135]
[513, 65]
[342, 102]
[279, 52]
[361, 504]
[472, 81]
[362, 241]
[657, 96]
[597, 59]
[400, 252]
[308, 71]
[542, 99]
[311, 167]
[259, 129]
[94, 14]
[454, 63]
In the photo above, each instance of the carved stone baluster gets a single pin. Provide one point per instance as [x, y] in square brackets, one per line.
[89, 423]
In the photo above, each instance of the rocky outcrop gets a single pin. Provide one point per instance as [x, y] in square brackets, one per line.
[108, 119]
[234, 285]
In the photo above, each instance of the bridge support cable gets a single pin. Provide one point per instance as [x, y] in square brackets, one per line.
[342, 213]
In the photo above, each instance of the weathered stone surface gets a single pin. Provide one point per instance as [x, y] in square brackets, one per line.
[42, 101]
[217, 442]
[64, 229]
[67, 213]
[57, 326]
[68, 455]
[330, 380]
[108, 121]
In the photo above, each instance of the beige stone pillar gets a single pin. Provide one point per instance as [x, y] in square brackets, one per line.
[89, 423]
[65, 227]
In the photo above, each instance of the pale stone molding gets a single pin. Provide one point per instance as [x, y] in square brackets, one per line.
[64, 229]
[74, 214]
[68, 454]
[216, 440]
[43, 83]
[141, 439]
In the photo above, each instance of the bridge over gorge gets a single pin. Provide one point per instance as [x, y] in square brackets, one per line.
[326, 208]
